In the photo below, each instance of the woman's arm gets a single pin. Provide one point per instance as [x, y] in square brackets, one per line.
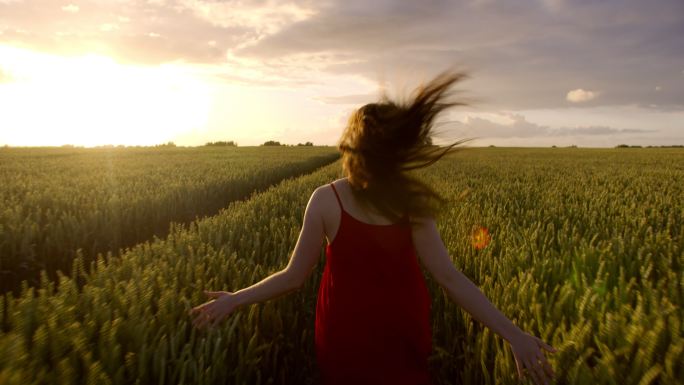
[305, 256]
[459, 288]
[464, 293]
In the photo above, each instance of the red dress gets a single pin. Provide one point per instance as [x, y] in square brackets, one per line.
[373, 308]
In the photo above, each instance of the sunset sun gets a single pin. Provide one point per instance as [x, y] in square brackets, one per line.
[92, 99]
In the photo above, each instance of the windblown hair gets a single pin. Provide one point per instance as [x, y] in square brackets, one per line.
[384, 141]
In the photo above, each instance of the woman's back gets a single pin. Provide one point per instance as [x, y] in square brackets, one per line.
[373, 308]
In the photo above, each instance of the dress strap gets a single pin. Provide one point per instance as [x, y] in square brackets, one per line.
[336, 196]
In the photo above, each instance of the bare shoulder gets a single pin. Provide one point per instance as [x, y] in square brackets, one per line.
[323, 196]
[343, 182]
[325, 192]
[321, 192]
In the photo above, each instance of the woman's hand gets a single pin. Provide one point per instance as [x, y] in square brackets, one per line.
[211, 313]
[529, 356]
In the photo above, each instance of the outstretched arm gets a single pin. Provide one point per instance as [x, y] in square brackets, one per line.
[461, 290]
[305, 256]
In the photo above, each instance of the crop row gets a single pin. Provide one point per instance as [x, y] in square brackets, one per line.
[56, 201]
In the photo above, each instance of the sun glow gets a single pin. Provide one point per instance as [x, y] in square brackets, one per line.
[93, 100]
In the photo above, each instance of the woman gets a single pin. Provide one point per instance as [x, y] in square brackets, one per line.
[373, 308]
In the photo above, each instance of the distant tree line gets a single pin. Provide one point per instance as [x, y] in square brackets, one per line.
[167, 144]
[221, 144]
[637, 146]
[275, 143]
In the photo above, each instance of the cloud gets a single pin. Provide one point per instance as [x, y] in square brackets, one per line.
[517, 126]
[622, 47]
[264, 18]
[579, 95]
[70, 8]
[514, 67]
[122, 30]
[356, 99]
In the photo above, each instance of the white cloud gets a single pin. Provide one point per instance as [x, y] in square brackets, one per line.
[70, 8]
[579, 95]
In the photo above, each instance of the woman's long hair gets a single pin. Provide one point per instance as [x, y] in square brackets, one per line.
[384, 141]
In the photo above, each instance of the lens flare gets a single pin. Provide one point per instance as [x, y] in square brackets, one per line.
[480, 237]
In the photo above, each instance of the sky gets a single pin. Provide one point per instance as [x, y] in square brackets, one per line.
[540, 72]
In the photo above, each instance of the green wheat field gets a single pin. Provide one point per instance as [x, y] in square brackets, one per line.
[104, 251]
